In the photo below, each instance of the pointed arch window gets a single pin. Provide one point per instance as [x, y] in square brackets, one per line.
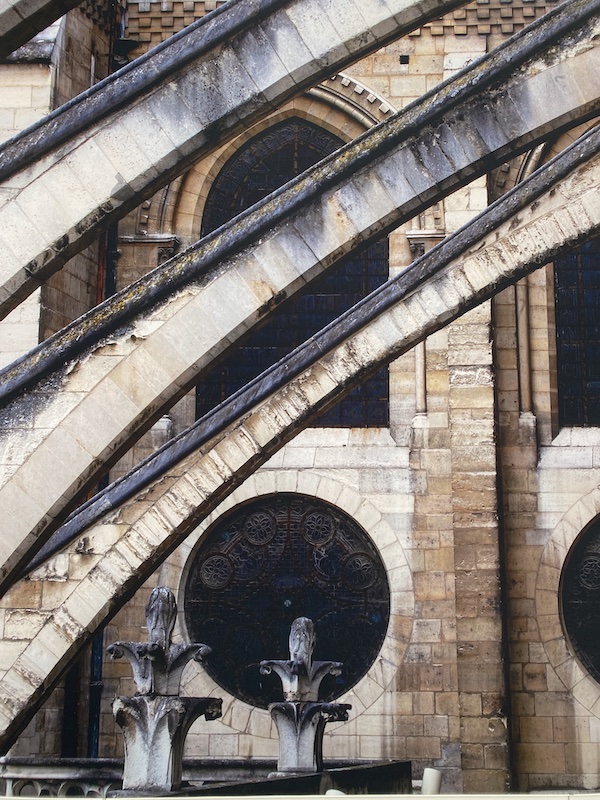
[577, 297]
[263, 164]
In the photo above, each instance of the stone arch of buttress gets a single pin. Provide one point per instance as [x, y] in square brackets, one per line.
[104, 398]
[534, 301]
[341, 105]
[127, 546]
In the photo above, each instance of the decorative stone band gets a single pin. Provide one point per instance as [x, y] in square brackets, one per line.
[511, 238]
[106, 397]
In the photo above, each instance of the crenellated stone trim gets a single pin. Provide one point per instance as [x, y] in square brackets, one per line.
[152, 21]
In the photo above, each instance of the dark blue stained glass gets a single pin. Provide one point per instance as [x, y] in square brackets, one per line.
[580, 596]
[588, 262]
[334, 416]
[569, 299]
[268, 563]
[570, 262]
[592, 355]
[262, 165]
[570, 333]
[577, 296]
[572, 409]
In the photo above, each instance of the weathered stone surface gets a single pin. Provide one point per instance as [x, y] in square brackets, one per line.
[283, 416]
[154, 729]
[156, 720]
[102, 160]
[300, 718]
[111, 415]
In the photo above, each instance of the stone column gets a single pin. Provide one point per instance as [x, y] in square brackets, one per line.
[156, 720]
[477, 548]
[154, 730]
[300, 718]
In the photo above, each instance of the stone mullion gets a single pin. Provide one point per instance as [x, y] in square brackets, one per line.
[481, 681]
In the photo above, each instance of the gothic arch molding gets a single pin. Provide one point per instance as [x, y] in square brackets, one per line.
[575, 679]
[508, 175]
[342, 106]
[533, 297]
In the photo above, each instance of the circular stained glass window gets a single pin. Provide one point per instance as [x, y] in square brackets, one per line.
[580, 598]
[274, 560]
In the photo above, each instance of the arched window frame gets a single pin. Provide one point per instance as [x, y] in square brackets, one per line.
[299, 318]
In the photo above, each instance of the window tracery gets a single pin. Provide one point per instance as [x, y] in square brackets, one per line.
[274, 560]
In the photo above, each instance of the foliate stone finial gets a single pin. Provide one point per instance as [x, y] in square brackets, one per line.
[301, 676]
[161, 613]
[156, 720]
[301, 718]
[302, 645]
[158, 664]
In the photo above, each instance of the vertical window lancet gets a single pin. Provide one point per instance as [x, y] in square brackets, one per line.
[263, 164]
[577, 297]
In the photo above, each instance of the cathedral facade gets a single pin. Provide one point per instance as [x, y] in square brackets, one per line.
[438, 522]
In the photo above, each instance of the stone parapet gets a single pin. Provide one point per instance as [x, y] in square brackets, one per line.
[153, 21]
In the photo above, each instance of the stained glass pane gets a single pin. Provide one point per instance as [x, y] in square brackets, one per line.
[270, 562]
[267, 162]
[577, 295]
[580, 598]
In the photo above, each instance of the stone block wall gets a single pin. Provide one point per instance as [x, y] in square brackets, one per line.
[153, 21]
[549, 495]
[65, 60]
[430, 479]
[473, 562]
[81, 59]
[25, 96]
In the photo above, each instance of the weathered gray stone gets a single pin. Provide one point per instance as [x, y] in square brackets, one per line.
[154, 731]
[20, 20]
[277, 419]
[156, 720]
[190, 101]
[301, 677]
[117, 416]
[301, 719]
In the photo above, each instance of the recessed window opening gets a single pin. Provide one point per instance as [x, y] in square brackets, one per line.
[274, 560]
[263, 164]
[577, 297]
